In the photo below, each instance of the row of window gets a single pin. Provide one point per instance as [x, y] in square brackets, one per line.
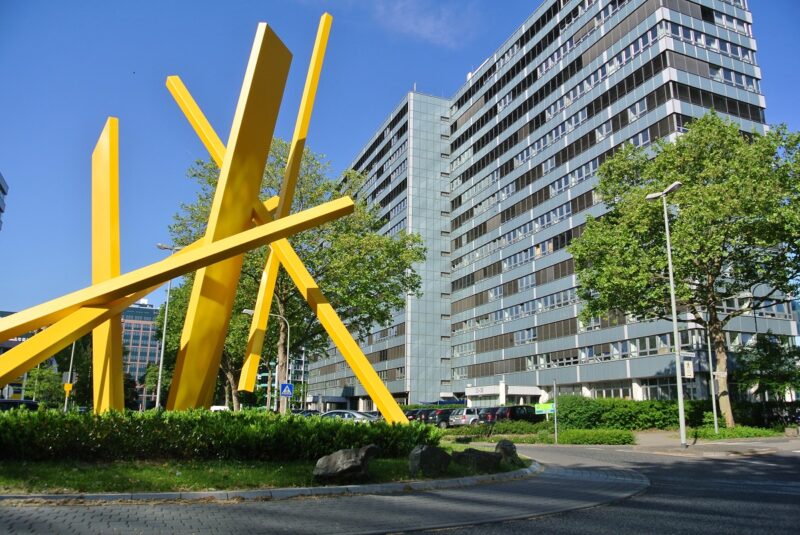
[704, 40]
[522, 310]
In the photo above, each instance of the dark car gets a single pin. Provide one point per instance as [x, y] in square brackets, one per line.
[8, 404]
[411, 414]
[518, 412]
[440, 417]
[424, 415]
[486, 415]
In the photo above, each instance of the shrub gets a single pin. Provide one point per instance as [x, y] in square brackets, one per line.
[196, 434]
[595, 436]
[740, 431]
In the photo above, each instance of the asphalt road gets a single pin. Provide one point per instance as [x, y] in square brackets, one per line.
[732, 494]
[715, 489]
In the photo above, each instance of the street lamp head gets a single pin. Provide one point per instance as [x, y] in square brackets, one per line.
[657, 195]
[172, 248]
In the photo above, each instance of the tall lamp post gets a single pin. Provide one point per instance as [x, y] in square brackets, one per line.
[172, 249]
[250, 312]
[675, 335]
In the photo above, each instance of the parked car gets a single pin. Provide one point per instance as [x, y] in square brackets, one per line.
[424, 415]
[440, 417]
[352, 416]
[411, 414]
[486, 415]
[8, 404]
[516, 412]
[219, 408]
[465, 416]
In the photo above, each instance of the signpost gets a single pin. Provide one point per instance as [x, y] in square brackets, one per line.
[287, 390]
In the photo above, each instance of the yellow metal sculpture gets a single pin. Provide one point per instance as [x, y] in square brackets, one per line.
[238, 222]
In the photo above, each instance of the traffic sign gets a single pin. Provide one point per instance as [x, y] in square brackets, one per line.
[544, 408]
[688, 369]
[67, 387]
[287, 390]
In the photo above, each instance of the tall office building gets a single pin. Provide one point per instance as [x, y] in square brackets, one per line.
[528, 131]
[3, 193]
[405, 164]
[140, 343]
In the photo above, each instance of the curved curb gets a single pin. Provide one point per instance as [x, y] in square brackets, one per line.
[286, 493]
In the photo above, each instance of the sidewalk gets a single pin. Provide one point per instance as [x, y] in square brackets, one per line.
[544, 490]
[668, 443]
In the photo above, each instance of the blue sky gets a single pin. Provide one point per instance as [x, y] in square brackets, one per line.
[66, 66]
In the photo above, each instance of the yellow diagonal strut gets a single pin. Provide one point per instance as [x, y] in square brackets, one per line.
[241, 172]
[282, 250]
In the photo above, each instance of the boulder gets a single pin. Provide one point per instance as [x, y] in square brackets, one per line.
[508, 453]
[431, 461]
[345, 465]
[478, 461]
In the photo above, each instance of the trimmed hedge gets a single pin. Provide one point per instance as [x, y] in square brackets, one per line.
[595, 436]
[740, 431]
[577, 412]
[196, 434]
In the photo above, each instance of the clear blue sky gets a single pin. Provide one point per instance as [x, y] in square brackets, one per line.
[66, 66]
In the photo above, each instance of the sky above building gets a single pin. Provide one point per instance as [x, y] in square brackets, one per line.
[67, 66]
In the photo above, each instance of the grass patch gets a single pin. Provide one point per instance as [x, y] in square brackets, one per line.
[740, 431]
[170, 476]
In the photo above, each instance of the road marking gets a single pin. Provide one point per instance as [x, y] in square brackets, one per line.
[758, 462]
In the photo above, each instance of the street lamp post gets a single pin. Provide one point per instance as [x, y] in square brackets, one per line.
[675, 335]
[172, 249]
[250, 312]
[69, 375]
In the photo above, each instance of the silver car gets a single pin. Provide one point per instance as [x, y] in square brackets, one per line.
[350, 416]
[465, 416]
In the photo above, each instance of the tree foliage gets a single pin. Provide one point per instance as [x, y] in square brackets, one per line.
[734, 227]
[365, 275]
[770, 366]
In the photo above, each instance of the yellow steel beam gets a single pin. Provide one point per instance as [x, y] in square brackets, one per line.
[106, 337]
[258, 326]
[173, 266]
[338, 332]
[242, 169]
[44, 344]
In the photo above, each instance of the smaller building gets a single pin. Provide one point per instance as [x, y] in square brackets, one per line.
[140, 345]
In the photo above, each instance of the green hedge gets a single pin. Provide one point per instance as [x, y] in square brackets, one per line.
[595, 436]
[198, 434]
[577, 412]
[740, 431]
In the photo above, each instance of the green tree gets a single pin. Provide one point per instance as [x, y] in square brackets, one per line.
[131, 393]
[770, 366]
[734, 228]
[44, 385]
[365, 276]
[81, 370]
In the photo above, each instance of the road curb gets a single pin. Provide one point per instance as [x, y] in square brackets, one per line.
[282, 493]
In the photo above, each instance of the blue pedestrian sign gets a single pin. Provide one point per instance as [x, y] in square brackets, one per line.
[287, 390]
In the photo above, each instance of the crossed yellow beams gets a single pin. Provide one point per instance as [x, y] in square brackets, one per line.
[218, 255]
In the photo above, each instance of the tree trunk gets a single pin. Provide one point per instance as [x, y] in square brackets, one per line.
[281, 366]
[227, 389]
[723, 395]
[229, 377]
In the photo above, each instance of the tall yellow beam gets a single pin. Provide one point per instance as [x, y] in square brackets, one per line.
[173, 266]
[269, 277]
[106, 337]
[242, 169]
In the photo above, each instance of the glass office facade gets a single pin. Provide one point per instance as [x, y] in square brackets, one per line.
[140, 344]
[3, 193]
[527, 132]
